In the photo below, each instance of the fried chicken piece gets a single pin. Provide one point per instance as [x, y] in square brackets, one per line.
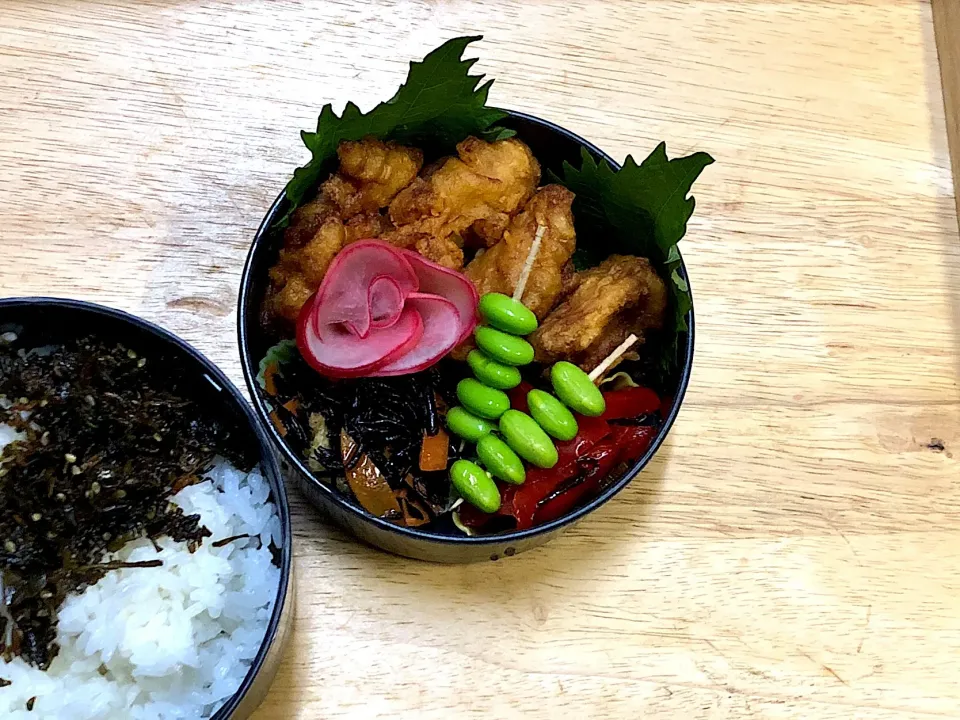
[382, 169]
[615, 333]
[488, 231]
[623, 294]
[486, 180]
[370, 176]
[498, 269]
[315, 257]
[442, 251]
[306, 221]
[367, 226]
[286, 302]
[342, 195]
[346, 209]
[300, 270]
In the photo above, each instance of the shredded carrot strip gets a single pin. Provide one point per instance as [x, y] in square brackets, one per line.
[434, 452]
[270, 384]
[277, 423]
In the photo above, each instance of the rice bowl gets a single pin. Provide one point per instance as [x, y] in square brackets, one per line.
[164, 643]
[177, 624]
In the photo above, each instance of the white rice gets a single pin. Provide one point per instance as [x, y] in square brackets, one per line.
[7, 433]
[175, 641]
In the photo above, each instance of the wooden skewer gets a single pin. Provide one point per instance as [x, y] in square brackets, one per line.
[600, 369]
[528, 264]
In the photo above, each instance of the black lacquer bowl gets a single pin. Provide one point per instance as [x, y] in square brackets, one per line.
[46, 321]
[552, 145]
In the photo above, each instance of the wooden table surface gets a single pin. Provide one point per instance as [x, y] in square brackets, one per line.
[794, 549]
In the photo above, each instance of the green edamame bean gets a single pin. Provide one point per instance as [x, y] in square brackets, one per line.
[552, 415]
[504, 348]
[528, 439]
[576, 389]
[467, 425]
[507, 314]
[500, 460]
[475, 485]
[492, 373]
[487, 402]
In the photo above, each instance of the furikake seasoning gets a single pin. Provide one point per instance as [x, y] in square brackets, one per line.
[107, 436]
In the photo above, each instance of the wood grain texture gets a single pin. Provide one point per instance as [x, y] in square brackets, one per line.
[946, 24]
[793, 551]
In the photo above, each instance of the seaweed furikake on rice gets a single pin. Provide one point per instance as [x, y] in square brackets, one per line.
[137, 538]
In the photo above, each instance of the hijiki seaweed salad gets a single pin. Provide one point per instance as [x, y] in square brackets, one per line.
[461, 337]
[137, 537]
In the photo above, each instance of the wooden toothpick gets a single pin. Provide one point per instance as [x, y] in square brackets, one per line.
[528, 265]
[600, 369]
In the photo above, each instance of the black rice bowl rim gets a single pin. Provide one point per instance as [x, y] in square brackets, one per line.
[268, 460]
[251, 368]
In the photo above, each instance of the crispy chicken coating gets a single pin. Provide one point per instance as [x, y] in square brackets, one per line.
[485, 181]
[382, 169]
[300, 270]
[615, 333]
[623, 294]
[306, 221]
[346, 209]
[442, 251]
[285, 302]
[343, 196]
[315, 257]
[488, 231]
[498, 269]
[366, 226]
[371, 174]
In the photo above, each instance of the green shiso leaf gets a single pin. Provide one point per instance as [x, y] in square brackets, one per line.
[280, 354]
[440, 104]
[637, 210]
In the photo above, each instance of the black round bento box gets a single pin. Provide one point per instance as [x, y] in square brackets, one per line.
[552, 145]
[46, 321]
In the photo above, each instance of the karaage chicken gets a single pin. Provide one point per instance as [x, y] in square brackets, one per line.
[300, 270]
[371, 174]
[478, 190]
[623, 294]
[498, 268]
[442, 251]
[346, 209]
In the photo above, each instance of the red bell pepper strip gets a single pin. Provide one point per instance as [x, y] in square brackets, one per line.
[633, 440]
[473, 517]
[625, 443]
[518, 396]
[590, 431]
[593, 468]
[583, 462]
[520, 501]
[630, 403]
